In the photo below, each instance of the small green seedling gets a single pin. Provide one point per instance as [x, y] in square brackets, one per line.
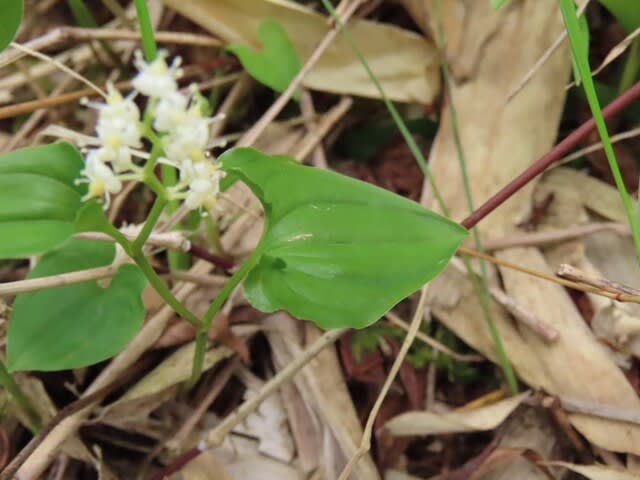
[276, 63]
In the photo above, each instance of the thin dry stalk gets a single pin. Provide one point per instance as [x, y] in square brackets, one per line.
[269, 116]
[315, 136]
[538, 239]
[35, 119]
[172, 240]
[620, 297]
[437, 346]
[319, 158]
[524, 316]
[543, 59]
[575, 274]
[10, 111]
[634, 132]
[61, 66]
[54, 281]
[217, 435]
[365, 443]
[221, 380]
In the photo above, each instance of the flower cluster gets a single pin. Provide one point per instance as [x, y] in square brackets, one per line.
[175, 122]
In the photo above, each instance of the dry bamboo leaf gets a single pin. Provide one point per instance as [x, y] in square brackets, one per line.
[597, 472]
[204, 467]
[240, 458]
[405, 63]
[500, 140]
[596, 195]
[173, 370]
[268, 424]
[479, 419]
[324, 392]
[530, 429]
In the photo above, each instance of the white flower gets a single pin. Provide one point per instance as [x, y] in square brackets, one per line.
[120, 158]
[202, 183]
[118, 122]
[170, 111]
[189, 140]
[102, 181]
[156, 79]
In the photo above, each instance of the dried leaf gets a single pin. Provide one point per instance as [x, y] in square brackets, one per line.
[428, 423]
[173, 370]
[597, 472]
[405, 63]
[499, 144]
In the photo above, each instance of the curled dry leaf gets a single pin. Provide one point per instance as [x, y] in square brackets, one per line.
[428, 423]
[405, 63]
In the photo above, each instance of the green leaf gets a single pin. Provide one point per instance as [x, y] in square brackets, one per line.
[335, 250]
[12, 11]
[38, 198]
[627, 12]
[496, 4]
[75, 325]
[277, 63]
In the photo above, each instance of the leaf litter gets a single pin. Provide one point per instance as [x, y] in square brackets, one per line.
[313, 425]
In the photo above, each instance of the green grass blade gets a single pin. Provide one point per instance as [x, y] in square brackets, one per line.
[580, 55]
[149, 46]
[481, 289]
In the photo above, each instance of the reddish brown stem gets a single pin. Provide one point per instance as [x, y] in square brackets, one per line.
[555, 154]
[177, 464]
[218, 260]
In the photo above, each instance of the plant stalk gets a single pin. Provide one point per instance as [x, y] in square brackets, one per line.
[149, 46]
[207, 319]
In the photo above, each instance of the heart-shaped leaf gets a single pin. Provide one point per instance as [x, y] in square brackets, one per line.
[38, 198]
[12, 11]
[335, 250]
[75, 325]
[277, 63]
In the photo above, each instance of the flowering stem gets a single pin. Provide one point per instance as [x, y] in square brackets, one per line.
[229, 287]
[136, 252]
[150, 222]
[146, 29]
[164, 291]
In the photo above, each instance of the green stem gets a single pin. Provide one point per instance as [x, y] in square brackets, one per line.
[481, 290]
[149, 46]
[580, 54]
[232, 283]
[164, 291]
[7, 381]
[150, 222]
